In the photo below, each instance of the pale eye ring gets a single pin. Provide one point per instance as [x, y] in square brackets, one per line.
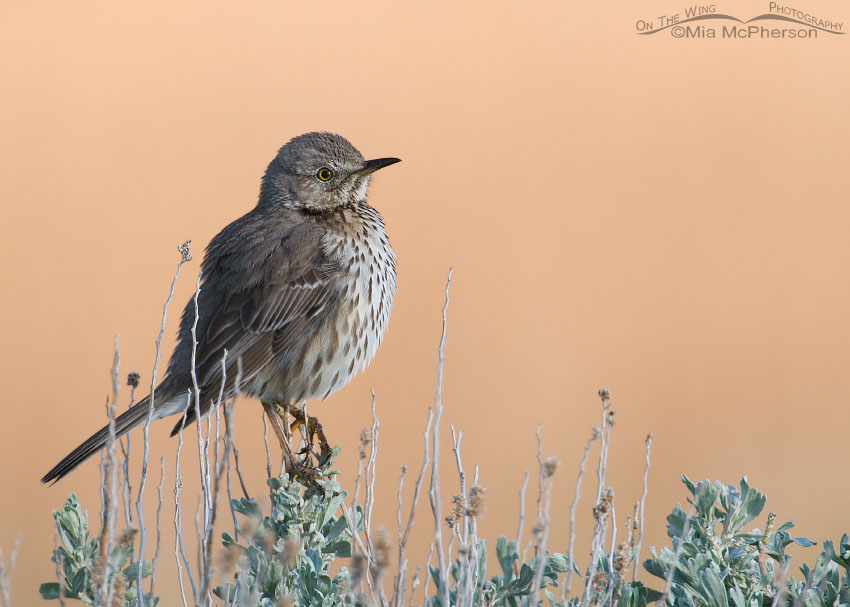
[324, 174]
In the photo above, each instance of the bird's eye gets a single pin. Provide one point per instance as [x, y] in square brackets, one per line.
[324, 174]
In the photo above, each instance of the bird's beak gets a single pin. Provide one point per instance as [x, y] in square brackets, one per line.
[370, 166]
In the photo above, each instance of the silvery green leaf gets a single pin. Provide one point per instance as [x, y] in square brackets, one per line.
[49, 590]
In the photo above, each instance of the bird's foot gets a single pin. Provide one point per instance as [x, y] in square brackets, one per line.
[314, 431]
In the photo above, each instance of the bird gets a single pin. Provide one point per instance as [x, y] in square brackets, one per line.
[294, 297]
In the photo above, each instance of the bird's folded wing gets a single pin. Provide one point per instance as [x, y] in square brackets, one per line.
[256, 325]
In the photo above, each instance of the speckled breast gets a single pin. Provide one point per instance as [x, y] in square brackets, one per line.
[354, 332]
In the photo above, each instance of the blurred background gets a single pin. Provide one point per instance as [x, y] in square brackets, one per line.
[664, 217]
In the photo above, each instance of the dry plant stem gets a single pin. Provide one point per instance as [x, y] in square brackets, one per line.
[217, 473]
[358, 477]
[521, 523]
[398, 582]
[203, 459]
[185, 256]
[600, 528]
[565, 588]
[461, 528]
[434, 490]
[266, 443]
[544, 498]
[158, 528]
[279, 431]
[642, 503]
[427, 574]
[414, 583]
[603, 449]
[6, 572]
[126, 488]
[239, 470]
[109, 489]
[178, 516]
[402, 543]
[370, 477]
[468, 536]
[611, 582]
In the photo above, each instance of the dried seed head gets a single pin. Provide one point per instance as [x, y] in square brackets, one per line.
[604, 394]
[476, 505]
[133, 379]
[291, 548]
[600, 581]
[458, 510]
[266, 540]
[248, 525]
[287, 600]
[357, 565]
[228, 559]
[601, 509]
[98, 571]
[550, 466]
[126, 538]
[383, 550]
[622, 557]
[118, 589]
[185, 253]
[365, 439]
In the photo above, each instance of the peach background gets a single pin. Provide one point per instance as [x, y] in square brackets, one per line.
[665, 217]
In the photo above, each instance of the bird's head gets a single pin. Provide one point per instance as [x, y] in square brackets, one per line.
[318, 171]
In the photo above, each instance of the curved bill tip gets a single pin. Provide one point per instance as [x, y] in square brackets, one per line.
[370, 166]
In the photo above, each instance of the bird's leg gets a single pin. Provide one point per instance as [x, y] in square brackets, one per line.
[271, 410]
[314, 429]
[292, 466]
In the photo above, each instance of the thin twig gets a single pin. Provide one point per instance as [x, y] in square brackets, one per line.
[179, 551]
[158, 529]
[434, 490]
[542, 528]
[642, 503]
[185, 256]
[565, 589]
[239, 471]
[203, 454]
[370, 478]
[398, 584]
[109, 488]
[427, 574]
[603, 500]
[228, 445]
[126, 487]
[266, 443]
[521, 522]
[402, 544]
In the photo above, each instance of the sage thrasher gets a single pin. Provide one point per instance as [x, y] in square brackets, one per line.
[298, 292]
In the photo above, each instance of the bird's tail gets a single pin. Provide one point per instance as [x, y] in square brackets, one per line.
[131, 418]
